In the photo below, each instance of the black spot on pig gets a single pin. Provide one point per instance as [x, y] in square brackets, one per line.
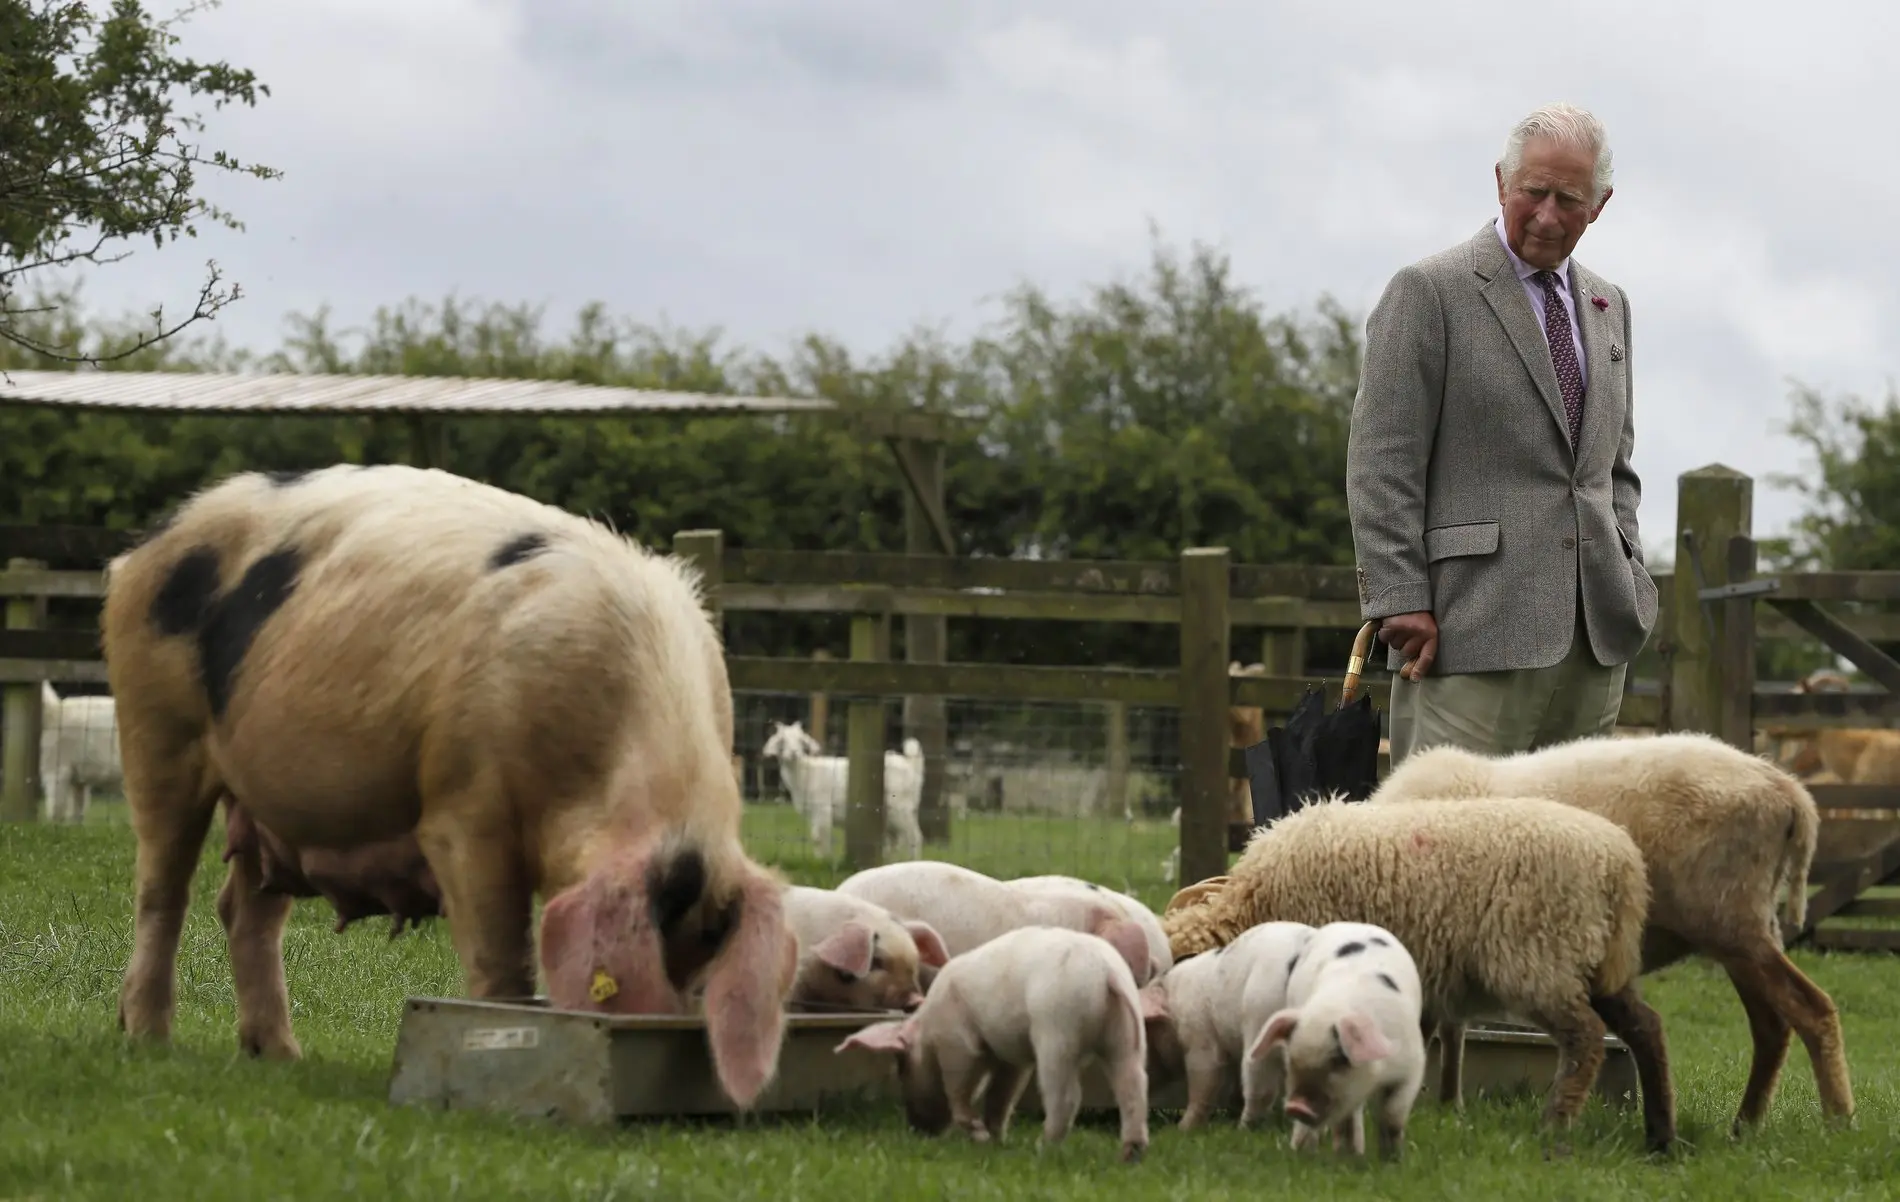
[1381, 940]
[516, 549]
[283, 478]
[1389, 982]
[1350, 949]
[235, 619]
[184, 601]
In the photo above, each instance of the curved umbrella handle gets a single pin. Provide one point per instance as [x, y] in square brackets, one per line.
[1354, 666]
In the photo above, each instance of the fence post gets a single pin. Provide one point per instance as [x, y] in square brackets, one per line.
[1737, 649]
[1283, 651]
[926, 641]
[1714, 504]
[1203, 708]
[20, 755]
[820, 705]
[864, 751]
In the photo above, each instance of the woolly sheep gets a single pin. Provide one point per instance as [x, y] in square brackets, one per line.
[357, 653]
[1721, 832]
[79, 752]
[1515, 907]
[817, 785]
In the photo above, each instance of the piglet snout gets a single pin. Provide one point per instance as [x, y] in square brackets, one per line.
[913, 1001]
[1302, 1110]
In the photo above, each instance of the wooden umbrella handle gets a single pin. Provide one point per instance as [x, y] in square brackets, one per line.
[1361, 644]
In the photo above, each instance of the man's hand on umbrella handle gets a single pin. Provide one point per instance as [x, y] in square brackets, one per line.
[1415, 635]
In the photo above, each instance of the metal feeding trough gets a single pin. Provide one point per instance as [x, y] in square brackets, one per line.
[527, 1059]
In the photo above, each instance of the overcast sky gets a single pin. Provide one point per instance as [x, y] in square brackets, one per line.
[856, 167]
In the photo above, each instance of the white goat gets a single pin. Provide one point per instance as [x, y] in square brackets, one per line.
[817, 785]
[79, 751]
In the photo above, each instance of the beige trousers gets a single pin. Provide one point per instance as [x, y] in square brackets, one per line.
[1496, 713]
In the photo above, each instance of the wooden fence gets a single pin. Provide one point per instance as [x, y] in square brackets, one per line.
[1705, 641]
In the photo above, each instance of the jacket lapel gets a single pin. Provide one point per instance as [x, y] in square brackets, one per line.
[1504, 292]
[1599, 328]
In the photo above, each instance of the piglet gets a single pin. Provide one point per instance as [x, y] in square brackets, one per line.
[1206, 1010]
[854, 955]
[1350, 1033]
[969, 908]
[1036, 997]
[1160, 957]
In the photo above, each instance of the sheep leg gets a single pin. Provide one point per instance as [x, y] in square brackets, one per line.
[1637, 1024]
[170, 819]
[1770, 1032]
[1805, 1006]
[487, 899]
[1579, 1034]
[253, 924]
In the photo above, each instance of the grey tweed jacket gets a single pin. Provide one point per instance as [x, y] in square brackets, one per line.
[1465, 496]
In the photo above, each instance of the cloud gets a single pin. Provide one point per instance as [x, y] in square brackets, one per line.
[855, 168]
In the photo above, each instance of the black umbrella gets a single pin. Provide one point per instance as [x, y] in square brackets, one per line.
[1317, 753]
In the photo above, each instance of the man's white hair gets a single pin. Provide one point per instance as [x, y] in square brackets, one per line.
[1566, 124]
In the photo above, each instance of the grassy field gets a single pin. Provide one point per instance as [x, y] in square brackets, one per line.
[86, 1116]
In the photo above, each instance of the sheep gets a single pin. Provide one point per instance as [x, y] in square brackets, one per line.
[1515, 907]
[1721, 832]
[360, 653]
[817, 785]
[79, 752]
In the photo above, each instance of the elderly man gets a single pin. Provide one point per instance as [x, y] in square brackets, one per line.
[1488, 473]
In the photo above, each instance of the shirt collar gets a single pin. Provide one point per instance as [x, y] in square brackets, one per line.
[1524, 270]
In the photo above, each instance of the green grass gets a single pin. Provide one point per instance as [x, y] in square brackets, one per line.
[87, 1116]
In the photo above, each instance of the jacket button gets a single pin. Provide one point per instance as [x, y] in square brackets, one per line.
[1569, 542]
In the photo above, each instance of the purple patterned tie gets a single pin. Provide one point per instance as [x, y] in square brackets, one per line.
[1563, 353]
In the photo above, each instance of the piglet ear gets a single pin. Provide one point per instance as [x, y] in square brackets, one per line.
[1361, 1040]
[930, 946]
[1278, 1030]
[892, 1035]
[1131, 942]
[848, 949]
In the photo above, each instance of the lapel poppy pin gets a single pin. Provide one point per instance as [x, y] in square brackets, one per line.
[1599, 302]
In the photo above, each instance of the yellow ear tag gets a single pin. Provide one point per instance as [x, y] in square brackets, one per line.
[603, 987]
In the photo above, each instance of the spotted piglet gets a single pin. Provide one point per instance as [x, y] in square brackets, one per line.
[1350, 1035]
[1045, 998]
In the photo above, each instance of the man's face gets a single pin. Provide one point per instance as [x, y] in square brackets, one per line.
[1547, 205]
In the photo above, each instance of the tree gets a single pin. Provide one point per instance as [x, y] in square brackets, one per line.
[91, 154]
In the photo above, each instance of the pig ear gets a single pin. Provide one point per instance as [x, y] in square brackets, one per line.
[746, 990]
[892, 1035]
[930, 945]
[567, 944]
[1131, 942]
[1278, 1030]
[1154, 1003]
[1362, 1041]
[848, 949]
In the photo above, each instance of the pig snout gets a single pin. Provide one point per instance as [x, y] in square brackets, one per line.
[1302, 1110]
[912, 1002]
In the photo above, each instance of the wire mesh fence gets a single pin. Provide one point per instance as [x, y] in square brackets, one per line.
[1089, 790]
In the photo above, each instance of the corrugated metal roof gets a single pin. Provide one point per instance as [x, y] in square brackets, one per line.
[260, 392]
